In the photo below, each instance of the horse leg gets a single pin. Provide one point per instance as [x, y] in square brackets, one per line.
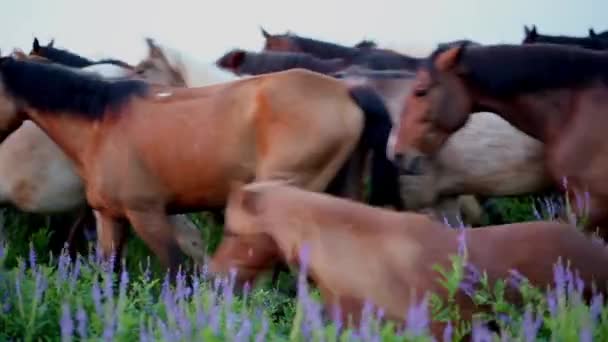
[471, 209]
[76, 235]
[158, 232]
[188, 237]
[110, 236]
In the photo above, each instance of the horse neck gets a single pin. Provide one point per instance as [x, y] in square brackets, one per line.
[534, 114]
[72, 135]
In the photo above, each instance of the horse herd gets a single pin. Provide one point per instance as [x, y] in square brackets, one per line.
[281, 140]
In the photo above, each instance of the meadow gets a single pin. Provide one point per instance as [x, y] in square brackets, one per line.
[46, 297]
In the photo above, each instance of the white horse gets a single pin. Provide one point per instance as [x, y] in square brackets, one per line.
[37, 177]
[165, 65]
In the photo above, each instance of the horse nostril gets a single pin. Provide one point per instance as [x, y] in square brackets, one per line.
[412, 166]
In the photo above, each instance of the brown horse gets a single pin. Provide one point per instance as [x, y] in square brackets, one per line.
[359, 253]
[550, 92]
[145, 152]
[369, 57]
[37, 177]
[242, 62]
[487, 157]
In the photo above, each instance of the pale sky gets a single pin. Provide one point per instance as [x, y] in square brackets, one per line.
[116, 28]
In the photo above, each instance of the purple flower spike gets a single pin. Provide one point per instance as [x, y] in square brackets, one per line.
[418, 318]
[447, 332]
[81, 318]
[531, 325]
[481, 333]
[32, 257]
[516, 279]
[244, 333]
[261, 337]
[67, 326]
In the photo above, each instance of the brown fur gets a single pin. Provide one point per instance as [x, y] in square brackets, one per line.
[176, 150]
[359, 252]
[487, 157]
[568, 117]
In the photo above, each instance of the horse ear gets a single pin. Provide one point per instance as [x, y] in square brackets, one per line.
[592, 33]
[449, 59]
[526, 30]
[533, 32]
[265, 33]
[36, 45]
[153, 49]
[51, 43]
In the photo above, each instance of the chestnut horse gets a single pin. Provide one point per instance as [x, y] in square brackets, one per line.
[241, 62]
[369, 57]
[357, 253]
[145, 151]
[593, 41]
[553, 93]
[38, 177]
[488, 157]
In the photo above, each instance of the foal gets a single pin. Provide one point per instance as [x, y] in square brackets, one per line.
[359, 253]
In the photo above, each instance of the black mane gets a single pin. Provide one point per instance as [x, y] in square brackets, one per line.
[256, 63]
[322, 49]
[56, 88]
[67, 58]
[507, 70]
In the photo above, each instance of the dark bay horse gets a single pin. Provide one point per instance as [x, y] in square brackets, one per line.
[357, 253]
[145, 152]
[68, 58]
[554, 93]
[592, 41]
[242, 62]
[370, 57]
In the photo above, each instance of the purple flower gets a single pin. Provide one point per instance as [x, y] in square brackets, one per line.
[41, 285]
[144, 335]
[32, 257]
[586, 334]
[531, 325]
[481, 333]
[63, 264]
[559, 276]
[245, 331]
[96, 294]
[67, 326]
[447, 332]
[596, 306]
[516, 279]
[81, 318]
[552, 303]
[418, 318]
[124, 281]
[462, 242]
[261, 336]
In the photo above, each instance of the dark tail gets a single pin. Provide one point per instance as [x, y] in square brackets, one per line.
[384, 174]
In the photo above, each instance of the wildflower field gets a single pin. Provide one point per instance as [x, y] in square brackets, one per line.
[46, 297]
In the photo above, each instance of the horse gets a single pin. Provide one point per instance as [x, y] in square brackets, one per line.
[366, 44]
[591, 42]
[165, 65]
[258, 128]
[601, 35]
[372, 58]
[550, 92]
[488, 157]
[383, 189]
[355, 253]
[241, 62]
[37, 176]
[71, 59]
